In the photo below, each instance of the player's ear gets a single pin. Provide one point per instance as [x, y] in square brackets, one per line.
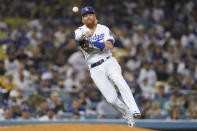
[96, 21]
[82, 20]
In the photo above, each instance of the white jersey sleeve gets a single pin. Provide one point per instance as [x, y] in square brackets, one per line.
[108, 34]
[79, 33]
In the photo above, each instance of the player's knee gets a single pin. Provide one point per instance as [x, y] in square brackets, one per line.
[115, 78]
[111, 100]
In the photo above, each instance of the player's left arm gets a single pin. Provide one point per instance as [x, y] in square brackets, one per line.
[104, 45]
[108, 40]
[109, 44]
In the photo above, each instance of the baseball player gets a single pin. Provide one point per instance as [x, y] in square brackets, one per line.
[96, 41]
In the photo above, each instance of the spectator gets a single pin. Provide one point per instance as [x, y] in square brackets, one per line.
[81, 96]
[4, 107]
[13, 98]
[76, 116]
[34, 36]
[147, 90]
[140, 37]
[11, 64]
[147, 72]
[181, 102]
[16, 111]
[183, 68]
[72, 83]
[103, 108]
[94, 96]
[8, 114]
[175, 113]
[161, 93]
[2, 71]
[42, 109]
[26, 114]
[145, 106]
[154, 110]
[76, 107]
[56, 103]
[21, 77]
[191, 107]
[60, 37]
[194, 114]
[168, 105]
[9, 83]
[161, 73]
[50, 115]
[77, 62]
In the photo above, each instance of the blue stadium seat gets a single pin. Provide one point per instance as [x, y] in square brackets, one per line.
[161, 101]
[159, 117]
[183, 117]
[67, 101]
[110, 116]
[91, 116]
[66, 116]
[93, 105]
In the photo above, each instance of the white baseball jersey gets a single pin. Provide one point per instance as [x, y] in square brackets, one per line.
[107, 73]
[101, 34]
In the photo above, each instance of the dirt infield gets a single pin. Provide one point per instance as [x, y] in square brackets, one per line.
[72, 127]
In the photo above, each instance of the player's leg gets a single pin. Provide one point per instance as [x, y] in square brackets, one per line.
[114, 73]
[107, 88]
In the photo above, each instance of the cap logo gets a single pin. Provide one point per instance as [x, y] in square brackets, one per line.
[87, 10]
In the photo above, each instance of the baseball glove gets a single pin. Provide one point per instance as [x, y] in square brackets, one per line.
[84, 44]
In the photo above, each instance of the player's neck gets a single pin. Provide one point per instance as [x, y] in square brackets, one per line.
[91, 26]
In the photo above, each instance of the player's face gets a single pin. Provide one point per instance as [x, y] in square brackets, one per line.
[88, 19]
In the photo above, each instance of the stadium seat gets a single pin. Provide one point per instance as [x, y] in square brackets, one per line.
[159, 117]
[93, 105]
[66, 116]
[67, 101]
[91, 116]
[110, 116]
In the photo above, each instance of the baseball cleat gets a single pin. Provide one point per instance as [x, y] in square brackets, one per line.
[129, 118]
[136, 115]
[130, 121]
[131, 124]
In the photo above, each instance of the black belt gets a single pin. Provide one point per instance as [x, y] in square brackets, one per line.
[98, 62]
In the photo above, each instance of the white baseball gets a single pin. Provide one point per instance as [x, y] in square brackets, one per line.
[75, 9]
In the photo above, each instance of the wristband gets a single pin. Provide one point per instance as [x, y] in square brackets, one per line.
[98, 44]
[111, 42]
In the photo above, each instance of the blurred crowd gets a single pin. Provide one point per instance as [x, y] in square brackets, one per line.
[43, 75]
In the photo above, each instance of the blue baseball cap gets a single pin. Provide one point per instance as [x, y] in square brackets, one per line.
[87, 9]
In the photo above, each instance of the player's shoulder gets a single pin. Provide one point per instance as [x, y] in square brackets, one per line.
[80, 28]
[102, 26]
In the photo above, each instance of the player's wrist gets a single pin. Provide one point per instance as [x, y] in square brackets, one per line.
[98, 44]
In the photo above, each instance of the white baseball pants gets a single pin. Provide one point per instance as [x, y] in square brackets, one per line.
[105, 76]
